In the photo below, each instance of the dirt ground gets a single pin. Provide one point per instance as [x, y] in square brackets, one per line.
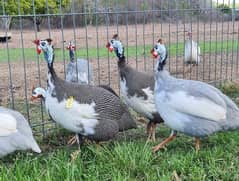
[213, 67]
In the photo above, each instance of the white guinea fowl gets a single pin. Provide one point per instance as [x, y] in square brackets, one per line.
[191, 51]
[78, 70]
[15, 133]
[192, 107]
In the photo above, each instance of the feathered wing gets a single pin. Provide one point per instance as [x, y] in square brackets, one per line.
[196, 106]
[8, 125]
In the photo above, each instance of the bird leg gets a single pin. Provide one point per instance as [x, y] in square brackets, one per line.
[153, 131]
[197, 144]
[76, 139]
[148, 128]
[79, 139]
[73, 140]
[161, 145]
[189, 68]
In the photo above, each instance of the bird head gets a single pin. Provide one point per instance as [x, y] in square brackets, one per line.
[46, 47]
[189, 33]
[116, 45]
[71, 47]
[38, 93]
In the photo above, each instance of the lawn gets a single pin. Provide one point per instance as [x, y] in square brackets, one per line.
[129, 157]
[16, 54]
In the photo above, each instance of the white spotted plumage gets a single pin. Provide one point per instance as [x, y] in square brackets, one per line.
[80, 118]
[139, 104]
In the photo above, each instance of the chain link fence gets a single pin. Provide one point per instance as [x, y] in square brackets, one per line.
[90, 24]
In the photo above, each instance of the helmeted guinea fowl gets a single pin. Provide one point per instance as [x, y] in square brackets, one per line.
[91, 111]
[191, 50]
[136, 88]
[192, 107]
[40, 93]
[78, 70]
[15, 133]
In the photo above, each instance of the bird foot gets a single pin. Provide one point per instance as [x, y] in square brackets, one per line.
[157, 148]
[74, 155]
[72, 141]
[151, 138]
[197, 144]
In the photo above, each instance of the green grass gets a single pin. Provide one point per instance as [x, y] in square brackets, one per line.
[130, 160]
[16, 54]
[129, 157]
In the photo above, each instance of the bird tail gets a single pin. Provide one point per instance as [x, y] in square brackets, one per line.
[35, 147]
[232, 122]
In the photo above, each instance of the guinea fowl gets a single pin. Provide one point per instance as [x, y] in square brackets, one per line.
[40, 93]
[91, 111]
[15, 133]
[78, 70]
[191, 50]
[136, 88]
[192, 107]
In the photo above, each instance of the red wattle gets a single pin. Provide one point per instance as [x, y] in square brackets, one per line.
[38, 50]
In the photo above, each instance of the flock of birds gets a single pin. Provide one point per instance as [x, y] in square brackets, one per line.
[97, 113]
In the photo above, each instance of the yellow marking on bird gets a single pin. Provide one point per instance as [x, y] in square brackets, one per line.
[69, 102]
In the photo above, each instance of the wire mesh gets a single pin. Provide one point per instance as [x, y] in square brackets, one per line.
[92, 23]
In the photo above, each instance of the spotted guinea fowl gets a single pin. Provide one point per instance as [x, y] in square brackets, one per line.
[78, 70]
[136, 88]
[40, 93]
[87, 110]
[15, 133]
[192, 107]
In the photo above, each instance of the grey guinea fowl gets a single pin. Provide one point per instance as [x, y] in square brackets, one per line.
[192, 107]
[136, 88]
[15, 133]
[88, 110]
[78, 69]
